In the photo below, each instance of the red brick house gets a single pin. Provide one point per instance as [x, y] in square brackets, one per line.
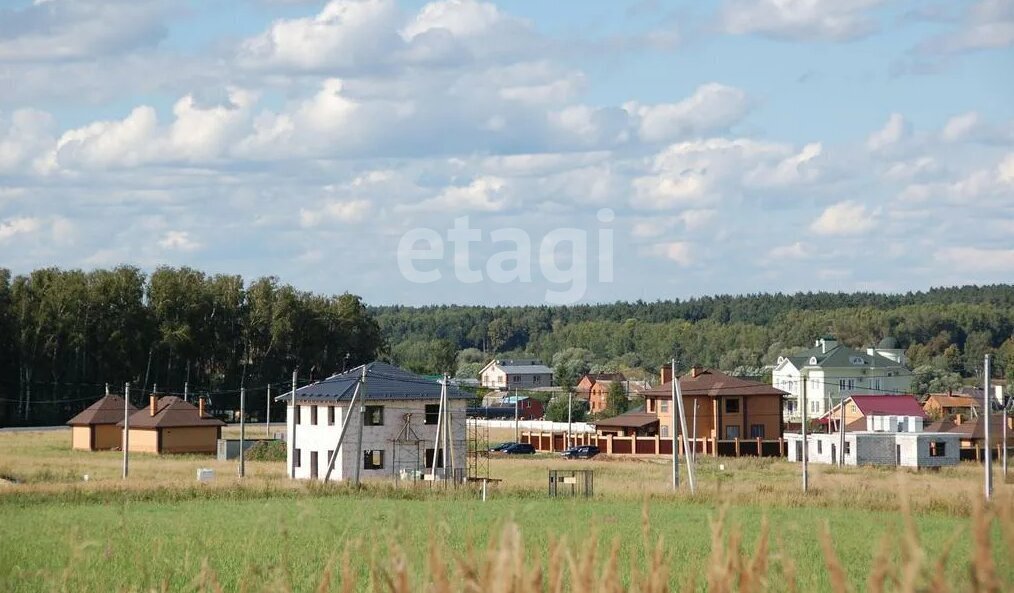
[594, 387]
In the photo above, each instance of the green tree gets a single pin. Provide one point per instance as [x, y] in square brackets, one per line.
[616, 399]
[556, 411]
[931, 379]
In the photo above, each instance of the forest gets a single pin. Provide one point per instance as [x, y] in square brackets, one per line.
[65, 334]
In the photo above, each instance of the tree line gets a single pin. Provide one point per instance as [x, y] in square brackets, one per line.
[64, 334]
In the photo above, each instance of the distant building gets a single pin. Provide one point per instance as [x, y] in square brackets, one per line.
[882, 440]
[401, 416]
[859, 407]
[833, 372]
[633, 423]
[727, 407]
[946, 406]
[529, 408]
[171, 425]
[515, 374]
[95, 428]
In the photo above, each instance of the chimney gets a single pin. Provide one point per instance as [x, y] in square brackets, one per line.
[200, 407]
[957, 419]
[666, 373]
[695, 371]
[154, 404]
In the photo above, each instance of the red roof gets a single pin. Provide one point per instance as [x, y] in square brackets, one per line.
[888, 405]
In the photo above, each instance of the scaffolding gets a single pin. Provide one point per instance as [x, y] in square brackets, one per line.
[478, 450]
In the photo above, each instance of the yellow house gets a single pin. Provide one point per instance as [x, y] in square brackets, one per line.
[171, 425]
[95, 428]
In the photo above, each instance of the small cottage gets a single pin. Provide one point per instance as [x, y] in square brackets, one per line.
[95, 428]
[171, 425]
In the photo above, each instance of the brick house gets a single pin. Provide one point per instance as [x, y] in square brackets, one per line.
[95, 429]
[170, 425]
[858, 407]
[727, 407]
[946, 405]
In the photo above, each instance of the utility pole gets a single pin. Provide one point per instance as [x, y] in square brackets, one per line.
[986, 405]
[107, 389]
[126, 427]
[267, 417]
[672, 433]
[570, 411]
[242, 432]
[683, 434]
[438, 457]
[693, 450]
[362, 421]
[295, 421]
[805, 456]
[841, 430]
[186, 391]
[1003, 433]
[448, 427]
[516, 434]
[346, 421]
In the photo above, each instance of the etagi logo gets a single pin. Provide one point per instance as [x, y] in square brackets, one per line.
[563, 258]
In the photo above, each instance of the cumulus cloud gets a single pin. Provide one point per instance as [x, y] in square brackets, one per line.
[22, 225]
[178, 241]
[972, 127]
[976, 258]
[986, 24]
[24, 136]
[712, 107]
[681, 252]
[72, 29]
[895, 130]
[843, 219]
[336, 211]
[809, 20]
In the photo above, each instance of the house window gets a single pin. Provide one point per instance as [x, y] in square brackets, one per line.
[429, 460]
[732, 431]
[841, 384]
[814, 407]
[297, 454]
[665, 431]
[938, 449]
[432, 414]
[848, 448]
[330, 415]
[374, 416]
[664, 407]
[820, 447]
[853, 409]
[732, 405]
[373, 459]
[330, 454]
[756, 431]
[298, 414]
[649, 405]
[313, 415]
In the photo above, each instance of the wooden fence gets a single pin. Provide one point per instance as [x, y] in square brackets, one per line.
[617, 445]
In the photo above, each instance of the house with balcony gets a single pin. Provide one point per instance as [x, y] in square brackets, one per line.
[832, 372]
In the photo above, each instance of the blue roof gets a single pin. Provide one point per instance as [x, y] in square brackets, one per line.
[383, 381]
[510, 398]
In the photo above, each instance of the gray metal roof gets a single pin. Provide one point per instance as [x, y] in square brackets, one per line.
[383, 382]
[841, 356]
[526, 369]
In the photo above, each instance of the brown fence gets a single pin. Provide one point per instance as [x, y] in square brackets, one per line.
[617, 445]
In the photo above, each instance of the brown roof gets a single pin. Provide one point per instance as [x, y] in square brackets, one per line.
[973, 429]
[171, 412]
[108, 410]
[714, 383]
[629, 420]
[953, 401]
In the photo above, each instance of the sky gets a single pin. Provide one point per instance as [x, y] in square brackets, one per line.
[516, 152]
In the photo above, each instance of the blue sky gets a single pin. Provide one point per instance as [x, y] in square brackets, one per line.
[596, 150]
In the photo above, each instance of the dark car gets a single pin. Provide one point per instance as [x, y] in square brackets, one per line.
[519, 449]
[500, 448]
[582, 452]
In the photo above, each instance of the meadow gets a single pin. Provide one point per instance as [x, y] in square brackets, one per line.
[748, 528]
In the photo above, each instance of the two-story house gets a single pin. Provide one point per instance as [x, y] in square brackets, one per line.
[833, 372]
[516, 374]
[399, 424]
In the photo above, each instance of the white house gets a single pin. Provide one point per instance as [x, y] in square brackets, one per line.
[516, 374]
[401, 415]
[887, 440]
[834, 372]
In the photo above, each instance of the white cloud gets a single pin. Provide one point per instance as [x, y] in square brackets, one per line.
[971, 127]
[895, 130]
[986, 24]
[712, 107]
[28, 134]
[681, 252]
[178, 241]
[483, 194]
[978, 187]
[828, 20]
[73, 29]
[802, 167]
[794, 251]
[975, 258]
[844, 218]
[22, 225]
[336, 211]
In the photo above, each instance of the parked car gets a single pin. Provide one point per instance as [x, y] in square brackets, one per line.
[500, 448]
[519, 449]
[582, 452]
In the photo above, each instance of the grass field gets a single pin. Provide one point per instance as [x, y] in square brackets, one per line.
[162, 531]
